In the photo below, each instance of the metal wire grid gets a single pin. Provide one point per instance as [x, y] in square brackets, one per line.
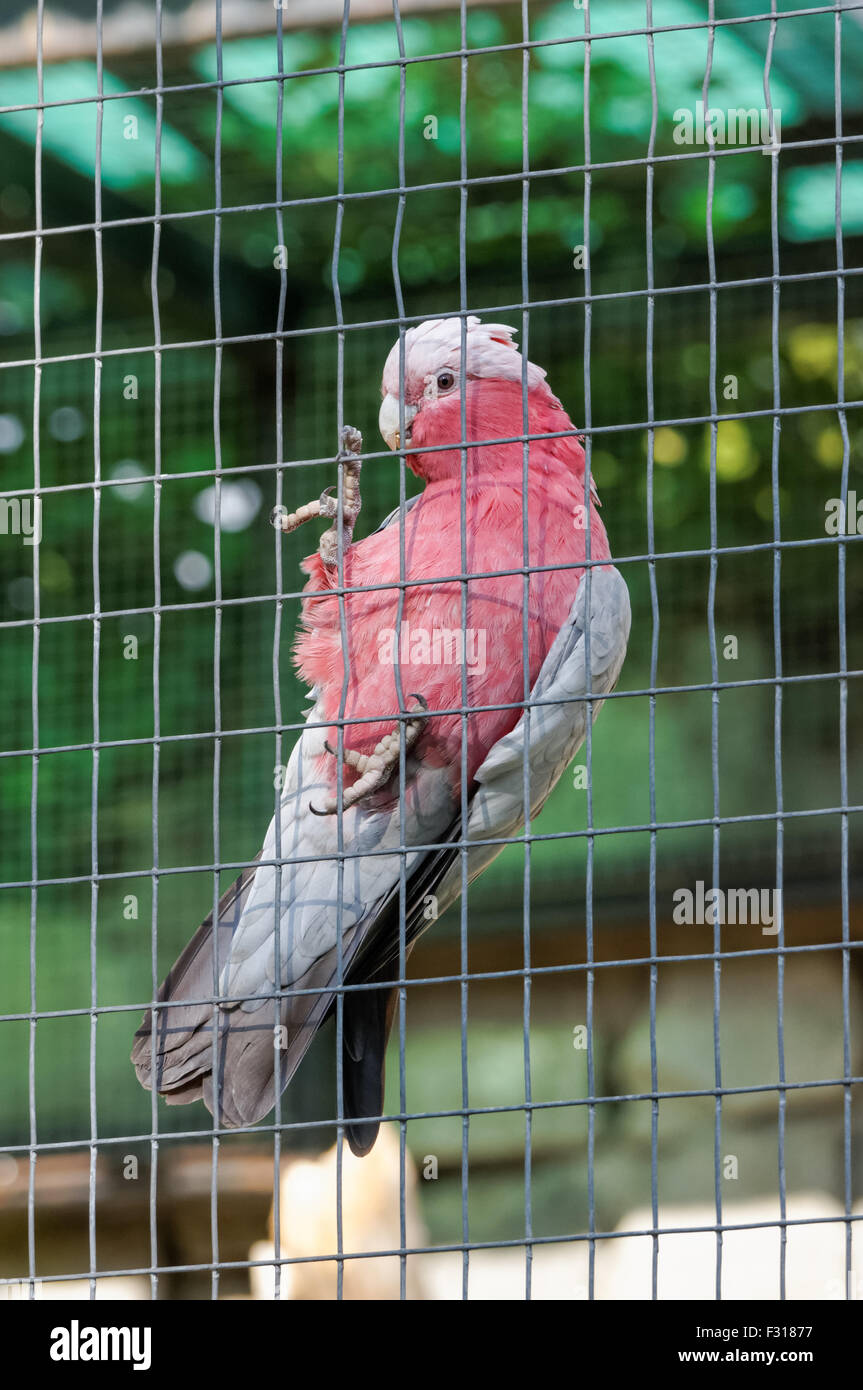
[279, 335]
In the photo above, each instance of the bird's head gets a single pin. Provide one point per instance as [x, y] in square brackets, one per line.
[429, 378]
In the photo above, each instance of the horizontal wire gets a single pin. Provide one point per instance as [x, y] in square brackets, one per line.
[518, 1243]
[441, 185]
[515, 46]
[161, 871]
[395, 1116]
[315, 330]
[577, 432]
[352, 721]
[467, 977]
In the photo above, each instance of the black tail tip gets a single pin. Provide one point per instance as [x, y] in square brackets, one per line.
[361, 1137]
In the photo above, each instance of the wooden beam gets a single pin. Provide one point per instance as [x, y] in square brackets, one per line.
[132, 28]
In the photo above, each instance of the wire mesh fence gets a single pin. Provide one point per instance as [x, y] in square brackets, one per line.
[148, 637]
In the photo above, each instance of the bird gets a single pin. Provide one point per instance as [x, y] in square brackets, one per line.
[446, 655]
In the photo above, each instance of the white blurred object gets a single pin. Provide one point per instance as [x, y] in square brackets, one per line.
[814, 1254]
[239, 504]
[125, 1287]
[559, 1274]
[193, 570]
[131, 469]
[66, 424]
[11, 434]
[370, 1221]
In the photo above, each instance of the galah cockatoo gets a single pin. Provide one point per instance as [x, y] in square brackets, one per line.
[232, 1029]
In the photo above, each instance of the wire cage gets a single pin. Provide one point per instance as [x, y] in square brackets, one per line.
[213, 233]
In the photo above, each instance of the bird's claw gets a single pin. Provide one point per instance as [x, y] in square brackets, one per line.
[377, 767]
[352, 441]
[328, 506]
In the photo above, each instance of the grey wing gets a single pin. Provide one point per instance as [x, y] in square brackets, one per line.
[550, 733]
[547, 736]
[286, 932]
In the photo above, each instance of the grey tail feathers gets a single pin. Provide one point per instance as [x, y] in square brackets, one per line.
[237, 1061]
[194, 1048]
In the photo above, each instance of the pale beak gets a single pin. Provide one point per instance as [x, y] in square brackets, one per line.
[388, 421]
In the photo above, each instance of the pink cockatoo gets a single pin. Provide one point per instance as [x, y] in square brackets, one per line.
[431, 680]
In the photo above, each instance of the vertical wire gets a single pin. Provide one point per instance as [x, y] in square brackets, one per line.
[590, 977]
[777, 652]
[841, 560]
[34, 706]
[654, 655]
[343, 632]
[97, 635]
[402, 993]
[277, 641]
[714, 664]
[157, 640]
[525, 653]
[463, 770]
[217, 640]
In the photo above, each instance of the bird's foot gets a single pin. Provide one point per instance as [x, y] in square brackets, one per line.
[377, 767]
[328, 506]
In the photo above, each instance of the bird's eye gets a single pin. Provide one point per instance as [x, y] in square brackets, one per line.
[445, 381]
